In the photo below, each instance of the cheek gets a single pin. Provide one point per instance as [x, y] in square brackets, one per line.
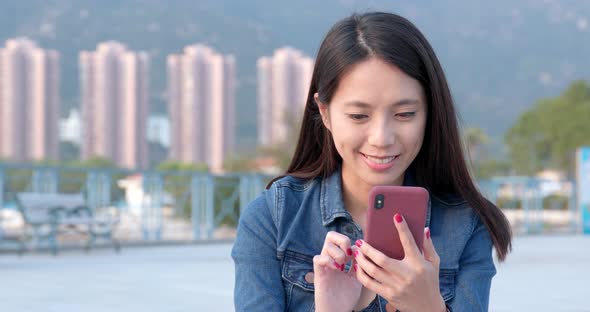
[410, 136]
[346, 137]
[416, 136]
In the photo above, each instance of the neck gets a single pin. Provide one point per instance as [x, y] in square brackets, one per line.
[355, 195]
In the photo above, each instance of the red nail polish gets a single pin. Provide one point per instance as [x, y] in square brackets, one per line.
[342, 267]
[354, 267]
[398, 218]
[349, 252]
[428, 233]
[356, 253]
[337, 265]
[359, 243]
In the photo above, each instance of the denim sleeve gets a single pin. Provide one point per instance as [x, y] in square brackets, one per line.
[476, 270]
[258, 284]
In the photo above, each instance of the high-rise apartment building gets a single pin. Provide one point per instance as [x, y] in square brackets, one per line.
[201, 102]
[283, 83]
[114, 85]
[29, 102]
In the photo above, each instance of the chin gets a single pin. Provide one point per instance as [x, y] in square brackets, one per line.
[373, 179]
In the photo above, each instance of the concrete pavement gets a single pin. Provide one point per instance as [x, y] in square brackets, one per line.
[549, 273]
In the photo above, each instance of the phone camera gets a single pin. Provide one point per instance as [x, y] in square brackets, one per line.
[379, 200]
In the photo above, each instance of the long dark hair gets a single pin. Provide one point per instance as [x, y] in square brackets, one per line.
[440, 166]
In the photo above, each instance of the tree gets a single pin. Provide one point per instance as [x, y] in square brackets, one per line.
[547, 135]
[171, 165]
[241, 163]
[474, 138]
[177, 182]
[477, 144]
[283, 151]
[488, 168]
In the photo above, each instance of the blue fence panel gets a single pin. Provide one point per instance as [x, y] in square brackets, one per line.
[153, 205]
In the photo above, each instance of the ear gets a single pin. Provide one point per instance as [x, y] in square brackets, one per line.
[324, 112]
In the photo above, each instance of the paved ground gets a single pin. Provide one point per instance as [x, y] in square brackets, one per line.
[544, 273]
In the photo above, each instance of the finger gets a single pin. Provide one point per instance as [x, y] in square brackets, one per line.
[391, 265]
[430, 253]
[365, 279]
[405, 236]
[368, 282]
[335, 253]
[340, 240]
[353, 267]
[372, 270]
[384, 290]
[324, 262]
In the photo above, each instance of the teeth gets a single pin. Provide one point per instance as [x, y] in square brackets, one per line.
[380, 160]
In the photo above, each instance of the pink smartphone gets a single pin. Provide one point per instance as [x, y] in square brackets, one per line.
[384, 202]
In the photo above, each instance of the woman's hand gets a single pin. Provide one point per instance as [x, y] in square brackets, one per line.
[335, 289]
[410, 284]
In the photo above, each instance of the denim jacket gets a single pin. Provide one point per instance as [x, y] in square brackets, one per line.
[281, 231]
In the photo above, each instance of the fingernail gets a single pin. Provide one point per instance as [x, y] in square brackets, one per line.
[337, 265]
[342, 267]
[349, 252]
[398, 218]
[359, 243]
[354, 267]
[427, 233]
[356, 253]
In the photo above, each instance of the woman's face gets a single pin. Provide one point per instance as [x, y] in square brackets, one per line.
[377, 118]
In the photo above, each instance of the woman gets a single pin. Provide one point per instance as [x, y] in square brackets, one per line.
[379, 112]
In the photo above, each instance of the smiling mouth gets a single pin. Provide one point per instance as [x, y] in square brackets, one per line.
[380, 160]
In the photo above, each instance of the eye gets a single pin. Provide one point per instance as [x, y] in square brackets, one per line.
[406, 115]
[357, 117]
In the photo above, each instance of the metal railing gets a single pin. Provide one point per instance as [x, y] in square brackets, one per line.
[528, 205]
[160, 206]
[153, 205]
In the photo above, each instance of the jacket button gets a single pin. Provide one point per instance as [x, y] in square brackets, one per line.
[309, 277]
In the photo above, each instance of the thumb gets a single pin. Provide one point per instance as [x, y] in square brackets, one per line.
[429, 252]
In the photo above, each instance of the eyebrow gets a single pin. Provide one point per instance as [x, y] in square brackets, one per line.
[404, 102]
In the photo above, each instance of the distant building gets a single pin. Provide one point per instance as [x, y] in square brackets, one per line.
[29, 101]
[70, 127]
[201, 102]
[283, 84]
[114, 84]
[159, 130]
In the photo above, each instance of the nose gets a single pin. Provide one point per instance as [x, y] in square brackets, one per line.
[381, 133]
